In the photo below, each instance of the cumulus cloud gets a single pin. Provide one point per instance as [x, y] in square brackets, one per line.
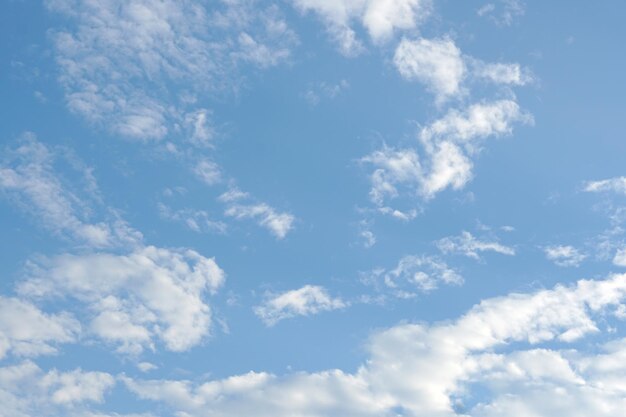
[413, 274]
[620, 257]
[29, 175]
[306, 301]
[27, 331]
[468, 245]
[381, 19]
[27, 390]
[437, 63]
[501, 73]
[501, 347]
[616, 185]
[123, 64]
[240, 206]
[564, 255]
[133, 300]
[447, 148]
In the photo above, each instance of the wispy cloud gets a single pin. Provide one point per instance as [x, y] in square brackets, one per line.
[564, 255]
[306, 301]
[468, 245]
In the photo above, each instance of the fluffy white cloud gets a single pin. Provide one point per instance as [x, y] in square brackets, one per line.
[447, 146]
[381, 18]
[305, 301]
[437, 63]
[26, 390]
[420, 370]
[133, 299]
[500, 73]
[27, 331]
[29, 175]
[466, 244]
[616, 185]
[564, 255]
[413, 273]
[124, 64]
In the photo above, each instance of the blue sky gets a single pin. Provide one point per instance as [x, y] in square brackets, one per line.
[312, 208]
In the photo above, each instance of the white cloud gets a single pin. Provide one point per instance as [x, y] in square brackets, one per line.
[468, 245]
[500, 73]
[306, 301]
[241, 205]
[413, 273]
[133, 299]
[616, 185]
[431, 370]
[30, 176]
[381, 19]
[26, 390]
[208, 171]
[437, 63]
[447, 146]
[564, 255]
[325, 90]
[123, 64]
[620, 257]
[27, 331]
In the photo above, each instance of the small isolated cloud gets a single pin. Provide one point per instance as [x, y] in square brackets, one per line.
[447, 148]
[133, 300]
[616, 185]
[381, 19]
[306, 301]
[436, 63]
[620, 257]
[27, 331]
[501, 73]
[413, 274]
[503, 12]
[325, 90]
[208, 172]
[564, 255]
[468, 245]
[239, 206]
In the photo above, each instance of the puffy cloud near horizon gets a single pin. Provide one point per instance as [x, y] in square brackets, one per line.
[502, 345]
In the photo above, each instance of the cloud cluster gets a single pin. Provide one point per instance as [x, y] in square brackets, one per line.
[305, 301]
[500, 347]
[135, 66]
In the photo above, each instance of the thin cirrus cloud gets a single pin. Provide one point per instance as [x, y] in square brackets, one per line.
[616, 185]
[468, 245]
[306, 301]
[458, 356]
[29, 175]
